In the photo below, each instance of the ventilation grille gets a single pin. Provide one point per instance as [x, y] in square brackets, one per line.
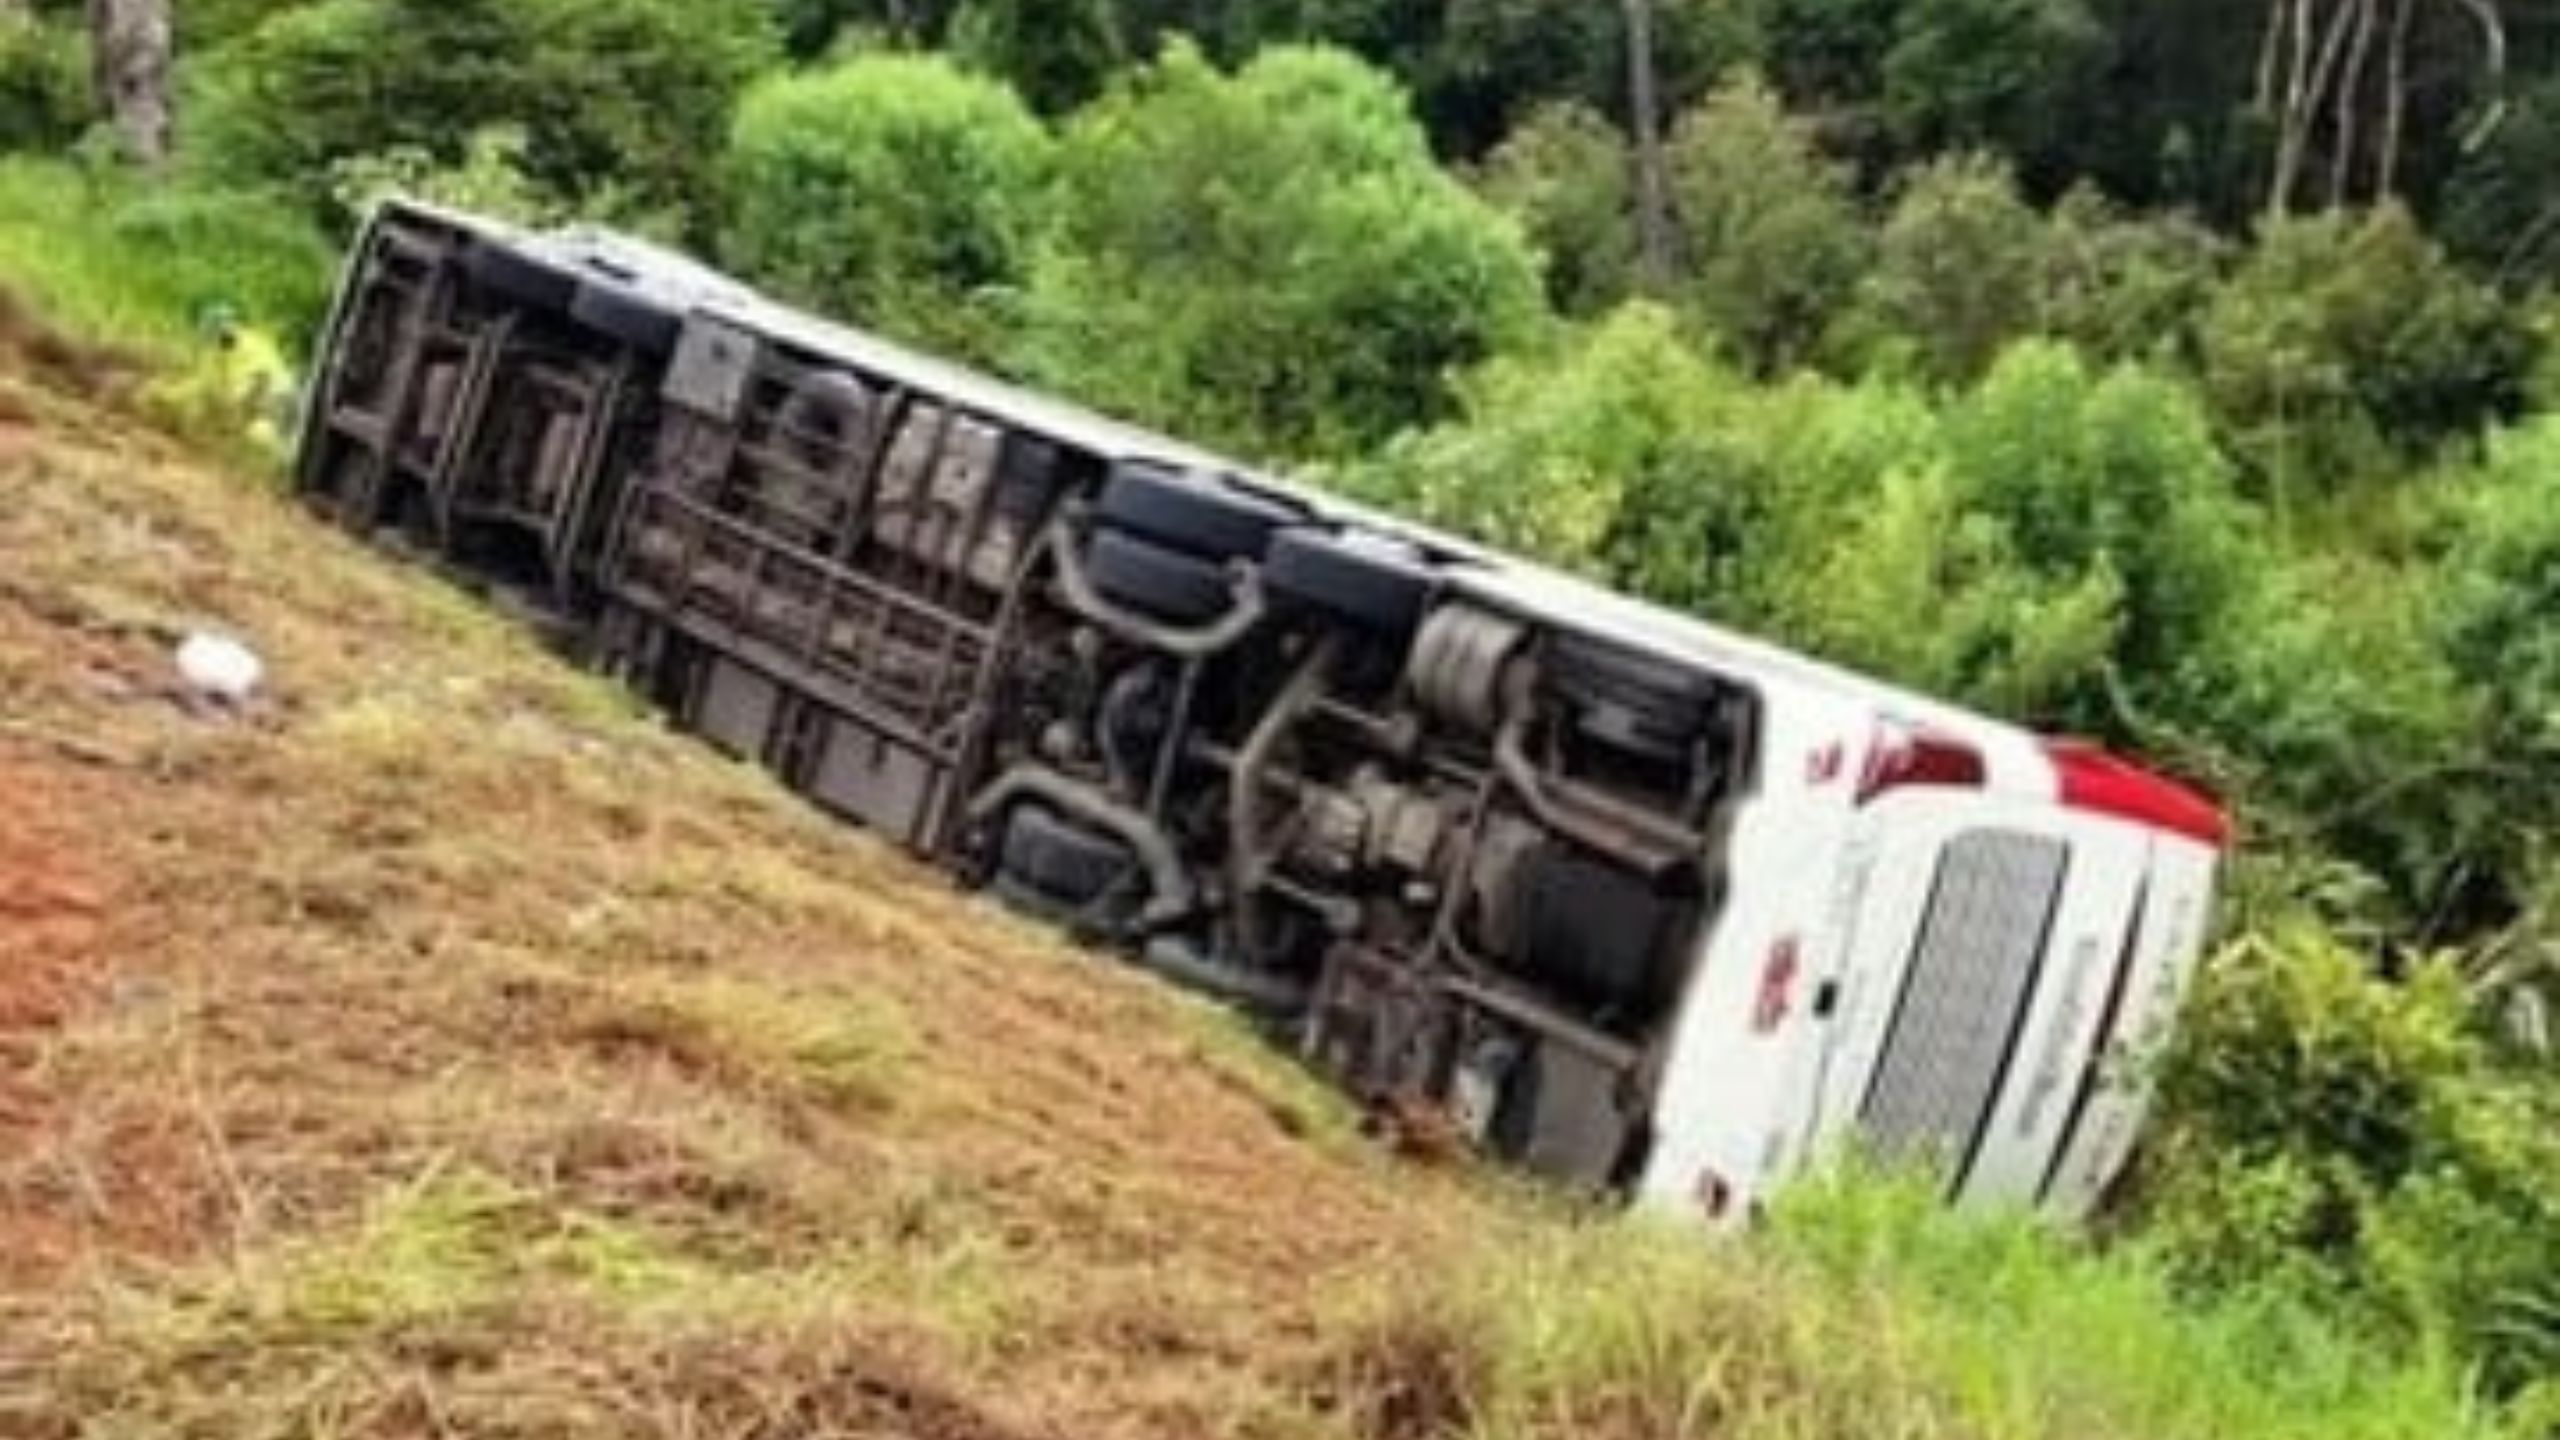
[1972, 975]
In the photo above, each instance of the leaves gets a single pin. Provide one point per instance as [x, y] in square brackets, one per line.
[893, 191]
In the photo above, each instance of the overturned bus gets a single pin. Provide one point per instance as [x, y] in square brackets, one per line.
[1622, 897]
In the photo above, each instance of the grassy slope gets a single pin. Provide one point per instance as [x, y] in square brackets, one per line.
[447, 1049]
[449, 1041]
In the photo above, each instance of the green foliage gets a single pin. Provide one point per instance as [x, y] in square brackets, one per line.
[895, 191]
[1057, 53]
[44, 83]
[1957, 270]
[204, 25]
[2069, 535]
[613, 96]
[1479, 65]
[1867, 1308]
[2331, 712]
[489, 179]
[2501, 592]
[2126, 287]
[1269, 259]
[2497, 210]
[1606, 457]
[2351, 1139]
[1770, 241]
[1986, 72]
[109, 258]
[1564, 174]
[2344, 341]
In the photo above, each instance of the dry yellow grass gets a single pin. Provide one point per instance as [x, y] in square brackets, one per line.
[446, 1048]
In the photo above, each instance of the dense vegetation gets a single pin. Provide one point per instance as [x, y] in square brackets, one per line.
[2174, 373]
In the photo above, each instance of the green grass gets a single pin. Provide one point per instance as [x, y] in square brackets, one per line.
[112, 259]
[1866, 1309]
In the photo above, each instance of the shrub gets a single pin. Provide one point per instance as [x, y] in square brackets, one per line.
[1956, 272]
[489, 179]
[1606, 456]
[111, 259]
[1057, 53]
[2070, 536]
[2351, 1138]
[1563, 173]
[893, 190]
[612, 95]
[2344, 343]
[1269, 259]
[44, 84]
[2125, 287]
[1771, 243]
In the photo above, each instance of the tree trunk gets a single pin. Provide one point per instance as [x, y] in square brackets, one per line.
[1653, 182]
[131, 41]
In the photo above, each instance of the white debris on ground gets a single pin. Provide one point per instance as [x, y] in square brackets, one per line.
[219, 667]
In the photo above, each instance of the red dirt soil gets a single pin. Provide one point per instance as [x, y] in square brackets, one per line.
[53, 902]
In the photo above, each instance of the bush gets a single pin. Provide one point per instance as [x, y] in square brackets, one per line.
[2125, 287]
[2325, 702]
[892, 190]
[44, 84]
[1957, 273]
[2344, 344]
[488, 180]
[1615, 456]
[2352, 1139]
[1057, 53]
[613, 96]
[1771, 243]
[1564, 175]
[2500, 588]
[2070, 536]
[1269, 260]
[109, 259]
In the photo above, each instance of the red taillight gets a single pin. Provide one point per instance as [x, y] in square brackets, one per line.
[1777, 995]
[2095, 781]
[1919, 757]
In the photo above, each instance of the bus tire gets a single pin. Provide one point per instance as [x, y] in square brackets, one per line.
[1373, 588]
[1173, 587]
[1190, 512]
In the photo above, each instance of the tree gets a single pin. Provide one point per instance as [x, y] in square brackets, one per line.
[1613, 455]
[2499, 211]
[1957, 271]
[1987, 73]
[2054, 549]
[1563, 174]
[45, 100]
[130, 45]
[2126, 287]
[614, 97]
[2344, 342]
[1268, 259]
[1770, 242]
[2317, 86]
[892, 190]
[1644, 122]
[1057, 53]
